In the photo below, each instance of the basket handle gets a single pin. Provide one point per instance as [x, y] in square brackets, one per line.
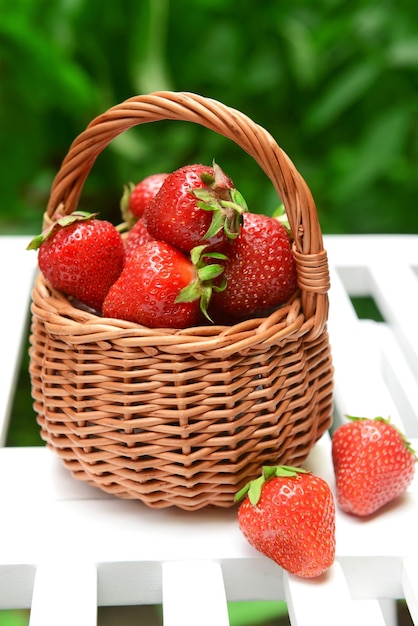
[311, 259]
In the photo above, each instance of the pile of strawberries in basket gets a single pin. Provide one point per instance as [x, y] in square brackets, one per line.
[191, 253]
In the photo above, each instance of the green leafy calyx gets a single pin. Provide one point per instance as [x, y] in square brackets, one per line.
[203, 286]
[226, 203]
[281, 216]
[128, 218]
[254, 488]
[60, 221]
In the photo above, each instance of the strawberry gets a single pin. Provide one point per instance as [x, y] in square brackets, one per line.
[137, 236]
[81, 256]
[136, 197]
[288, 514]
[162, 287]
[260, 269]
[196, 205]
[373, 464]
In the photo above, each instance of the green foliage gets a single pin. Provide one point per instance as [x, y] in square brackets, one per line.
[334, 82]
[14, 618]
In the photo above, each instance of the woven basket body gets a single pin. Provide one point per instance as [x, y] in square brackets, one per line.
[184, 417]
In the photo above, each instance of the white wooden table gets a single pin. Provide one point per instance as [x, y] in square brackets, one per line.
[66, 544]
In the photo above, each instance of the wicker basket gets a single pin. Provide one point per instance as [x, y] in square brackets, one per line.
[184, 417]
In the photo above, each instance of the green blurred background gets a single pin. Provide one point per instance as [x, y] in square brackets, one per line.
[334, 81]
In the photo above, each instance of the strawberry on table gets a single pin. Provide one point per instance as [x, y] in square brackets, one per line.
[260, 269]
[373, 464]
[288, 514]
[81, 256]
[196, 205]
[162, 287]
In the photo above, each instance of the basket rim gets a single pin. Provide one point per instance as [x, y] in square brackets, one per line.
[76, 326]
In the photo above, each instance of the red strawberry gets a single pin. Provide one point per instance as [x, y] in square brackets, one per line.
[136, 197]
[161, 287]
[289, 515]
[81, 256]
[137, 236]
[196, 205]
[373, 464]
[260, 269]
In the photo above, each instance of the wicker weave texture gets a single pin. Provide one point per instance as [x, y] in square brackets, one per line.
[184, 417]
